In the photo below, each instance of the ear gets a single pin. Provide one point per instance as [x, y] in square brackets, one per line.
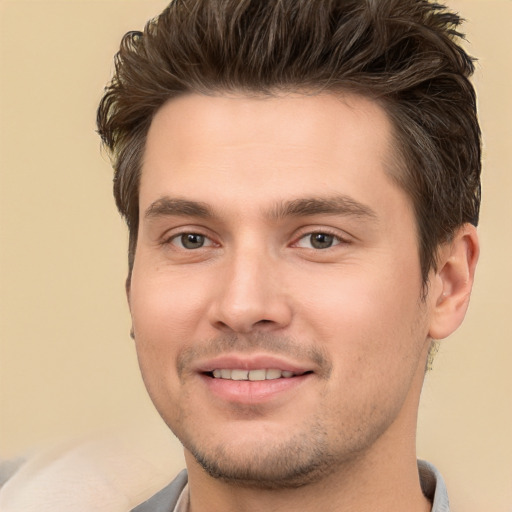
[452, 283]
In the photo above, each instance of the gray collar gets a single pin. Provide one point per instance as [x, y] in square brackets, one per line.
[433, 486]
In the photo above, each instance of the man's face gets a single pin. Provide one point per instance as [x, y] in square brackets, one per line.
[274, 248]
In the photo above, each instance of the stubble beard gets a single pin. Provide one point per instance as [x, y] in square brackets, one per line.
[284, 464]
[316, 451]
[281, 460]
[277, 462]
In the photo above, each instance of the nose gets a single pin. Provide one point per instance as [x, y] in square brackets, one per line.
[251, 295]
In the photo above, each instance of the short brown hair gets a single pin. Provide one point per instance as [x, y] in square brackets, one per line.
[405, 54]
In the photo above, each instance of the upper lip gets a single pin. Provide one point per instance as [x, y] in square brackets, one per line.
[252, 362]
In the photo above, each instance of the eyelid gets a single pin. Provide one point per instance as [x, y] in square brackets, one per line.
[208, 242]
[342, 238]
[175, 233]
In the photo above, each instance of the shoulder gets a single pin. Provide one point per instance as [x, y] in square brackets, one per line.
[105, 473]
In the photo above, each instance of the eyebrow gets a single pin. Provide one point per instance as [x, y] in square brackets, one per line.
[303, 207]
[334, 205]
[169, 206]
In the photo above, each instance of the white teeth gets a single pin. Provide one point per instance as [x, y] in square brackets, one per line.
[273, 374]
[257, 375]
[252, 375]
[239, 374]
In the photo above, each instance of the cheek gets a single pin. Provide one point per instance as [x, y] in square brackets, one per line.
[374, 334]
[166, 315]
[164, 306]
[371, 322]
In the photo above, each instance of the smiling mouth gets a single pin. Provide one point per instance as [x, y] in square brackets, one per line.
[253, 375]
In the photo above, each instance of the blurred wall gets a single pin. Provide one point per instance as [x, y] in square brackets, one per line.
[67, 364]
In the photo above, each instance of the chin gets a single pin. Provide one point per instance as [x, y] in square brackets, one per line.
[270, 463]
[274, 469]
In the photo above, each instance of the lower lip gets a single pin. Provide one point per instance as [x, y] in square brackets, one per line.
[253, 392]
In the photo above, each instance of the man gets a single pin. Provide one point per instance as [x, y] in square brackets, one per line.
[301, 184]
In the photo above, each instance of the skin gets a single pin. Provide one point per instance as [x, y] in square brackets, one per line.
[244, 182]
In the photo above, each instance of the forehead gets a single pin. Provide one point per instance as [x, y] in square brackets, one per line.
[222, 148]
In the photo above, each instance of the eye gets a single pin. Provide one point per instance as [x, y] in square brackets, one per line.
[191, 241]
[318, 240]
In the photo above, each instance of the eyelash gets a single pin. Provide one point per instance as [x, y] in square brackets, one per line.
[178, 236]
[337, 239]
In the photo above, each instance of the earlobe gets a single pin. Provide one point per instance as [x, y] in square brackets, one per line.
[453, 282]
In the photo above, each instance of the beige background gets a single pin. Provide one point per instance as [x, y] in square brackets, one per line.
[67, 364]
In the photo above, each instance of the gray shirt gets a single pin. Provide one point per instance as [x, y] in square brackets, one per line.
[168, 499]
